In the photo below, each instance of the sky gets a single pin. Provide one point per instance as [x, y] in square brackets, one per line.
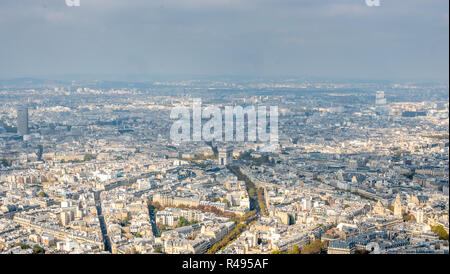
[398, 40]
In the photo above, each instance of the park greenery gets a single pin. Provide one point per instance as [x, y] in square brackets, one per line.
[38, 250]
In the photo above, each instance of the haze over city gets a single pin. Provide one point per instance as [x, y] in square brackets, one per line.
[224, 127]
[399, 40]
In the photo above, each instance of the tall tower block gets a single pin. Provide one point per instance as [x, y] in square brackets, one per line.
[22, 120]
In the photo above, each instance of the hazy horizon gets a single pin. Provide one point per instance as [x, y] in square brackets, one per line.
[345, 39]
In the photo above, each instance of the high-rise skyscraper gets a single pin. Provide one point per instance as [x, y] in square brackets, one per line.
[381, 106]
[22, 120]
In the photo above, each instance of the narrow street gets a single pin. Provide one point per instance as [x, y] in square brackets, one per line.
[151, 214]
[101, 219]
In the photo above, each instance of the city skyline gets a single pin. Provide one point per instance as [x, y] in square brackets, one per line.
[225, 127]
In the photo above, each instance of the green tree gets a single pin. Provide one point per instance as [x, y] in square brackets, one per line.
[158, 249]
[125, 221]
[228, 239]
[440, 231]
[38, 250]
[277, 252]
[182, 222]
[251, 192]
[225, 201]
[22, 245]
[315, 247]
[88, 157]
[408, 217]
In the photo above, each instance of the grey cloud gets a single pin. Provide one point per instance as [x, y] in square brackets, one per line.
[340, 38]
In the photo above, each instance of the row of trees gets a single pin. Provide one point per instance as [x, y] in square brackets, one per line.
[241, 225]
[86, 158]
[200, 157]
[261, 200]
[155, 206]
[249, 185]
[228, 239]
[257, 161]
[257, 204]
[256, 195]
